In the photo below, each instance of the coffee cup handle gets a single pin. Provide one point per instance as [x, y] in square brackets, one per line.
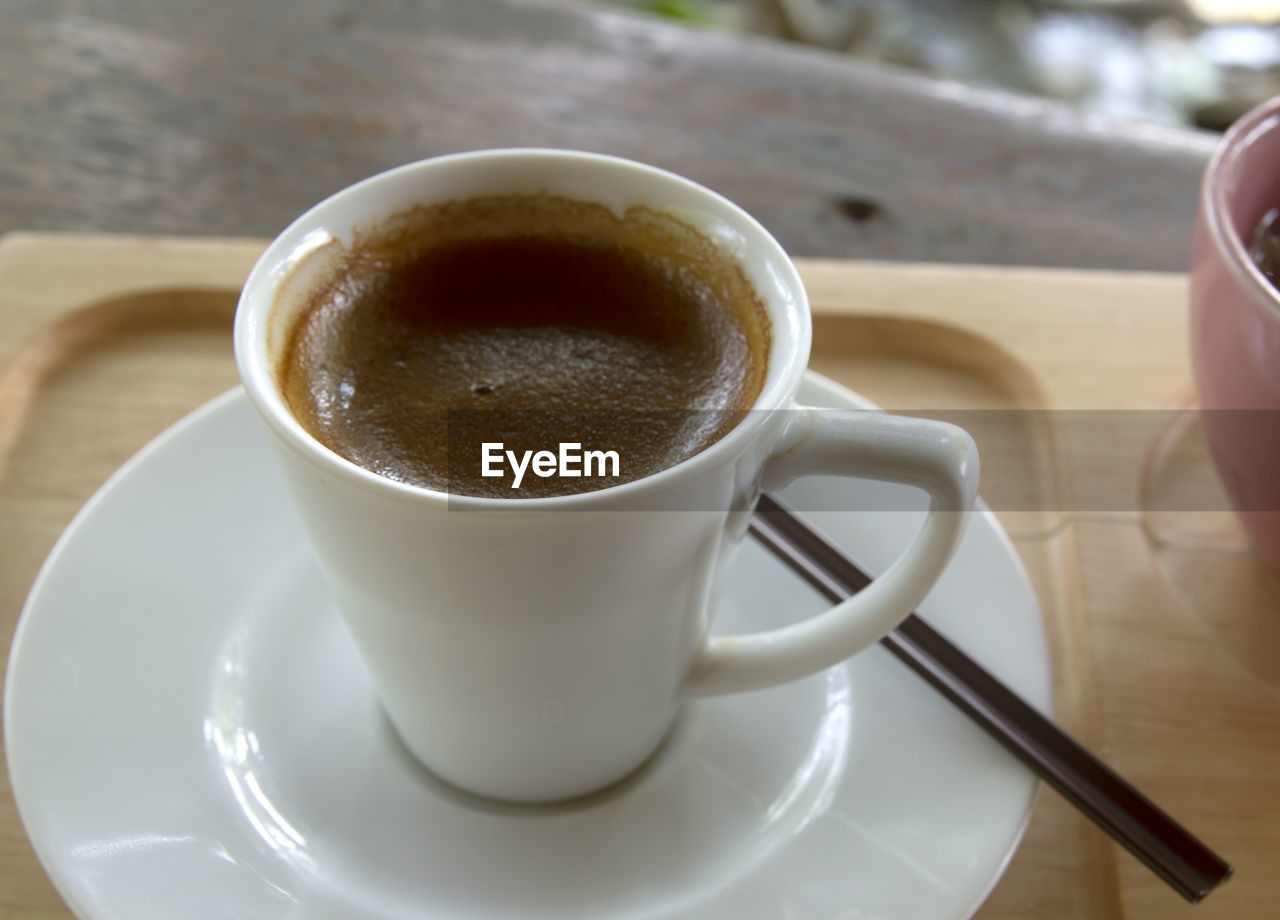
[935, 456]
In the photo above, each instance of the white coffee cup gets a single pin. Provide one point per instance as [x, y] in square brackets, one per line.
[539, 649]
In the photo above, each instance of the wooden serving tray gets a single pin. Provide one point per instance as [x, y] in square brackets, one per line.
[1165, 632]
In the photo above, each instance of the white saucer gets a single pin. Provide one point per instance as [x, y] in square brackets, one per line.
[190, 734]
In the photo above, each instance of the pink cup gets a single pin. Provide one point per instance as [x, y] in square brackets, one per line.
[1235, 324]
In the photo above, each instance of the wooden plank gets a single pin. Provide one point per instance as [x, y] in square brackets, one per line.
[232, 118]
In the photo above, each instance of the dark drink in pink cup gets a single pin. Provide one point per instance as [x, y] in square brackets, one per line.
[1235, 321]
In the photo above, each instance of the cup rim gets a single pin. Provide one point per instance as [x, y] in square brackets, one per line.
[1213, 200]
[791, 330]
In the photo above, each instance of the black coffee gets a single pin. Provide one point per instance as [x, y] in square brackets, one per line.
[1265, 249]
[530, 321]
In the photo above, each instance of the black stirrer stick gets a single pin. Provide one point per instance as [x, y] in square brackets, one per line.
[1168, 849]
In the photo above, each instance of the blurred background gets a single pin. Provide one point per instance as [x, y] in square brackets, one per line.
[1199, 63]
[1011, 132]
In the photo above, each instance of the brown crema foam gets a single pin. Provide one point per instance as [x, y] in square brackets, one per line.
[530, 320]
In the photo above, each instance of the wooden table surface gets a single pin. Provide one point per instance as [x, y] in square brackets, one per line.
[1162, 631]
[230, 118]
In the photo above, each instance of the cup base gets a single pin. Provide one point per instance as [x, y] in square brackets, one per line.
[471, 795]
[1206, 558]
